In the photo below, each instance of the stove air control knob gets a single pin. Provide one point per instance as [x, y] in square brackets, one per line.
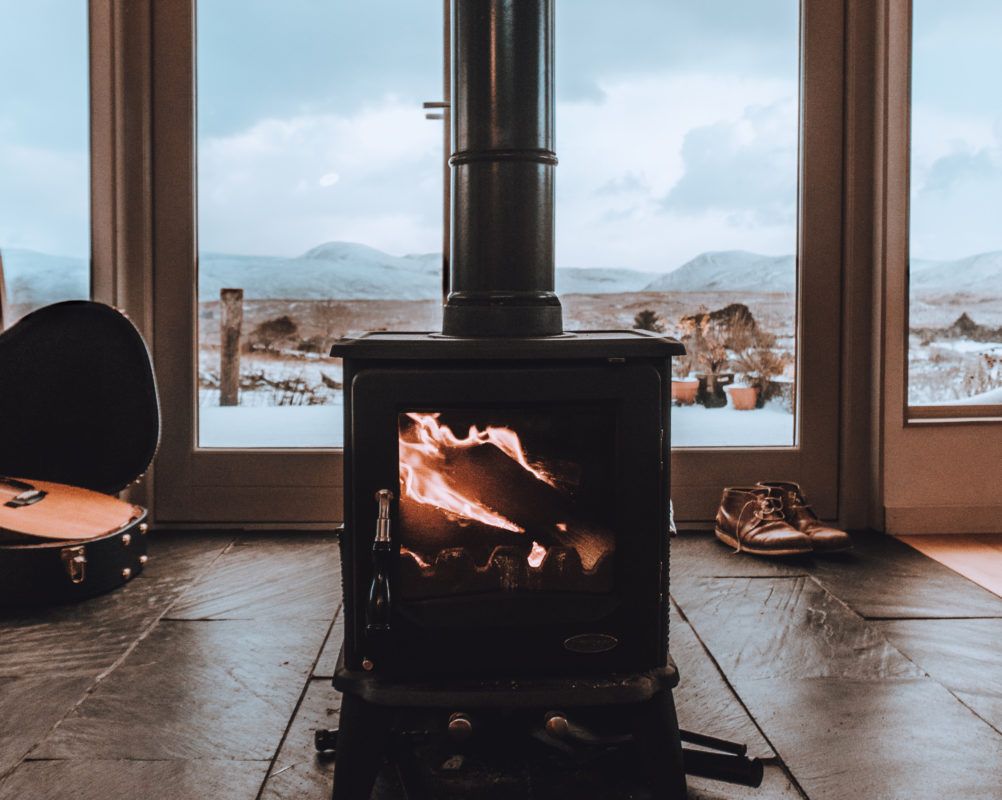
[460, 726]
[557, 725]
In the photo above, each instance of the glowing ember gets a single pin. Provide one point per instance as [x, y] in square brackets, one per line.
[422, 456]
[536, 555]
[420, 561]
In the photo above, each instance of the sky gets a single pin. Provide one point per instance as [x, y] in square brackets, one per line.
[676, 127]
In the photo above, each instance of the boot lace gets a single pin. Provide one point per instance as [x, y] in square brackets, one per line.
[764, 508]
[769, 508]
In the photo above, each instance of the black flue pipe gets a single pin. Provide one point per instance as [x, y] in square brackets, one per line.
[502, 268]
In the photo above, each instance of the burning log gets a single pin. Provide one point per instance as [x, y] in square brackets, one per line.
[481, 495]
[547, 515]
[454, 571]
[427, 530]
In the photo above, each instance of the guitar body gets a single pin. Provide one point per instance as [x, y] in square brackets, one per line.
[46, 510]
[78, 412]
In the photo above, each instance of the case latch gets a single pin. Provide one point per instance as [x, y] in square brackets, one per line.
[75, 562]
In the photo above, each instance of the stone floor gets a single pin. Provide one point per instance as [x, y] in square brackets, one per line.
[875, 675]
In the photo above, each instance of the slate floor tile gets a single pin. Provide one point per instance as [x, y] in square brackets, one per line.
[700, 554]
[776, 785]
[149, 780]
[962, 654]
[885, 578]
[29, 707]
[299, 771]
[785, 627]
[703, 700]
[290, 538]
[892, 740]
[84, 639]
[217, 689]
[881, 577]
[332, 648]
[268, 579]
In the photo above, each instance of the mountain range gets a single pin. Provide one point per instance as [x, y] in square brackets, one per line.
[358, 272]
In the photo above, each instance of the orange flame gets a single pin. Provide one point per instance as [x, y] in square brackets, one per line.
[536, 555]
[421, 461]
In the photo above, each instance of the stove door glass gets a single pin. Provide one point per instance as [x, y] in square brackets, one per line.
[506, 500]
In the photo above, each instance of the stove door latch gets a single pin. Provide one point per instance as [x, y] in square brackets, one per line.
[377, 613]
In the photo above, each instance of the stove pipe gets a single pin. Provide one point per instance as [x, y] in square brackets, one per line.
[502, 270]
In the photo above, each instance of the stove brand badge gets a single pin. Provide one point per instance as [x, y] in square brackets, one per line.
[590, 643]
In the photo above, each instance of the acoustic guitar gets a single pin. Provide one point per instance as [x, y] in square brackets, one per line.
[81, 421]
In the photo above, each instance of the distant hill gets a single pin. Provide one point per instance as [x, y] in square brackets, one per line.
[344, 269]
[730, 271]
[358, 272]
[601, 280]
[980, 274]
[37, 279]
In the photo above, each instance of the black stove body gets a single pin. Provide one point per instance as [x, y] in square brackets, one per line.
[527, 530]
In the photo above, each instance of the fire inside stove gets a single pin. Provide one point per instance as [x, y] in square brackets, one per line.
[505, 501]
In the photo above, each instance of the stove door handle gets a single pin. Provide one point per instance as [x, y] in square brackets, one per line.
[377, 612]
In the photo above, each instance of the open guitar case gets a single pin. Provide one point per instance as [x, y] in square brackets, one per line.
[78, 405]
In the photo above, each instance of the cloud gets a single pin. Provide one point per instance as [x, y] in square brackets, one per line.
[746, 168]
[627, 183]
[598, 41]
[623, 155]
[955, 203]
[45, 199]
[380, 182]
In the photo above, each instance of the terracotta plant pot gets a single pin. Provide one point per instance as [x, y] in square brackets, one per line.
[743, 398]
[683, 391]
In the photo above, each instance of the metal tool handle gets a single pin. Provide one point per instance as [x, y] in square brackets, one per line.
[377, 612]
[384, 497]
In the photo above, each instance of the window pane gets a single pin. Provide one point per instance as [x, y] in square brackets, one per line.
[319, 195]
[44, 153]
[677, 196]
[955, 342]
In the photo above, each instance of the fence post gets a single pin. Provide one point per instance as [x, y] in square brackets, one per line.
[231, 303]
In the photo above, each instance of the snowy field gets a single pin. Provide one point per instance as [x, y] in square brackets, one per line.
[260, 426]
[696, 426]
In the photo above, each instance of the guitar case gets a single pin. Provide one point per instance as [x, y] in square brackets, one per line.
[78, 405]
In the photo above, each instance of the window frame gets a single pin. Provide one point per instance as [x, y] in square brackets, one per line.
[921, 414]
[293, 488]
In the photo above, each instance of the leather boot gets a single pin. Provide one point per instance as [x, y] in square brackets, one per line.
[750, 520]
[824, 538]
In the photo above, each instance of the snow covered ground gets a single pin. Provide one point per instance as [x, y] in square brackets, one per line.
[696, 426]
[272, 426]
[322, 426]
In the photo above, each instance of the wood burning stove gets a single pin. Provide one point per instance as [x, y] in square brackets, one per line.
[530, 503]
[505, 547]
[506, 535]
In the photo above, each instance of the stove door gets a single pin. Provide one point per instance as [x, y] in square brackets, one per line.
[529, 519]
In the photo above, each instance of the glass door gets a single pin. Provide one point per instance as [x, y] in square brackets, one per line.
[698, 194]
[955, 243]
[319, 186]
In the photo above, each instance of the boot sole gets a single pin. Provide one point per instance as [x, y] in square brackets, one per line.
[729, 540]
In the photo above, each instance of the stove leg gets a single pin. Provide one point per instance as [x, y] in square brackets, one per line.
[363, 734]
[657, 734]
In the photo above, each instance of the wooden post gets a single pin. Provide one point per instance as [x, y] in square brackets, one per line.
[231, 304]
